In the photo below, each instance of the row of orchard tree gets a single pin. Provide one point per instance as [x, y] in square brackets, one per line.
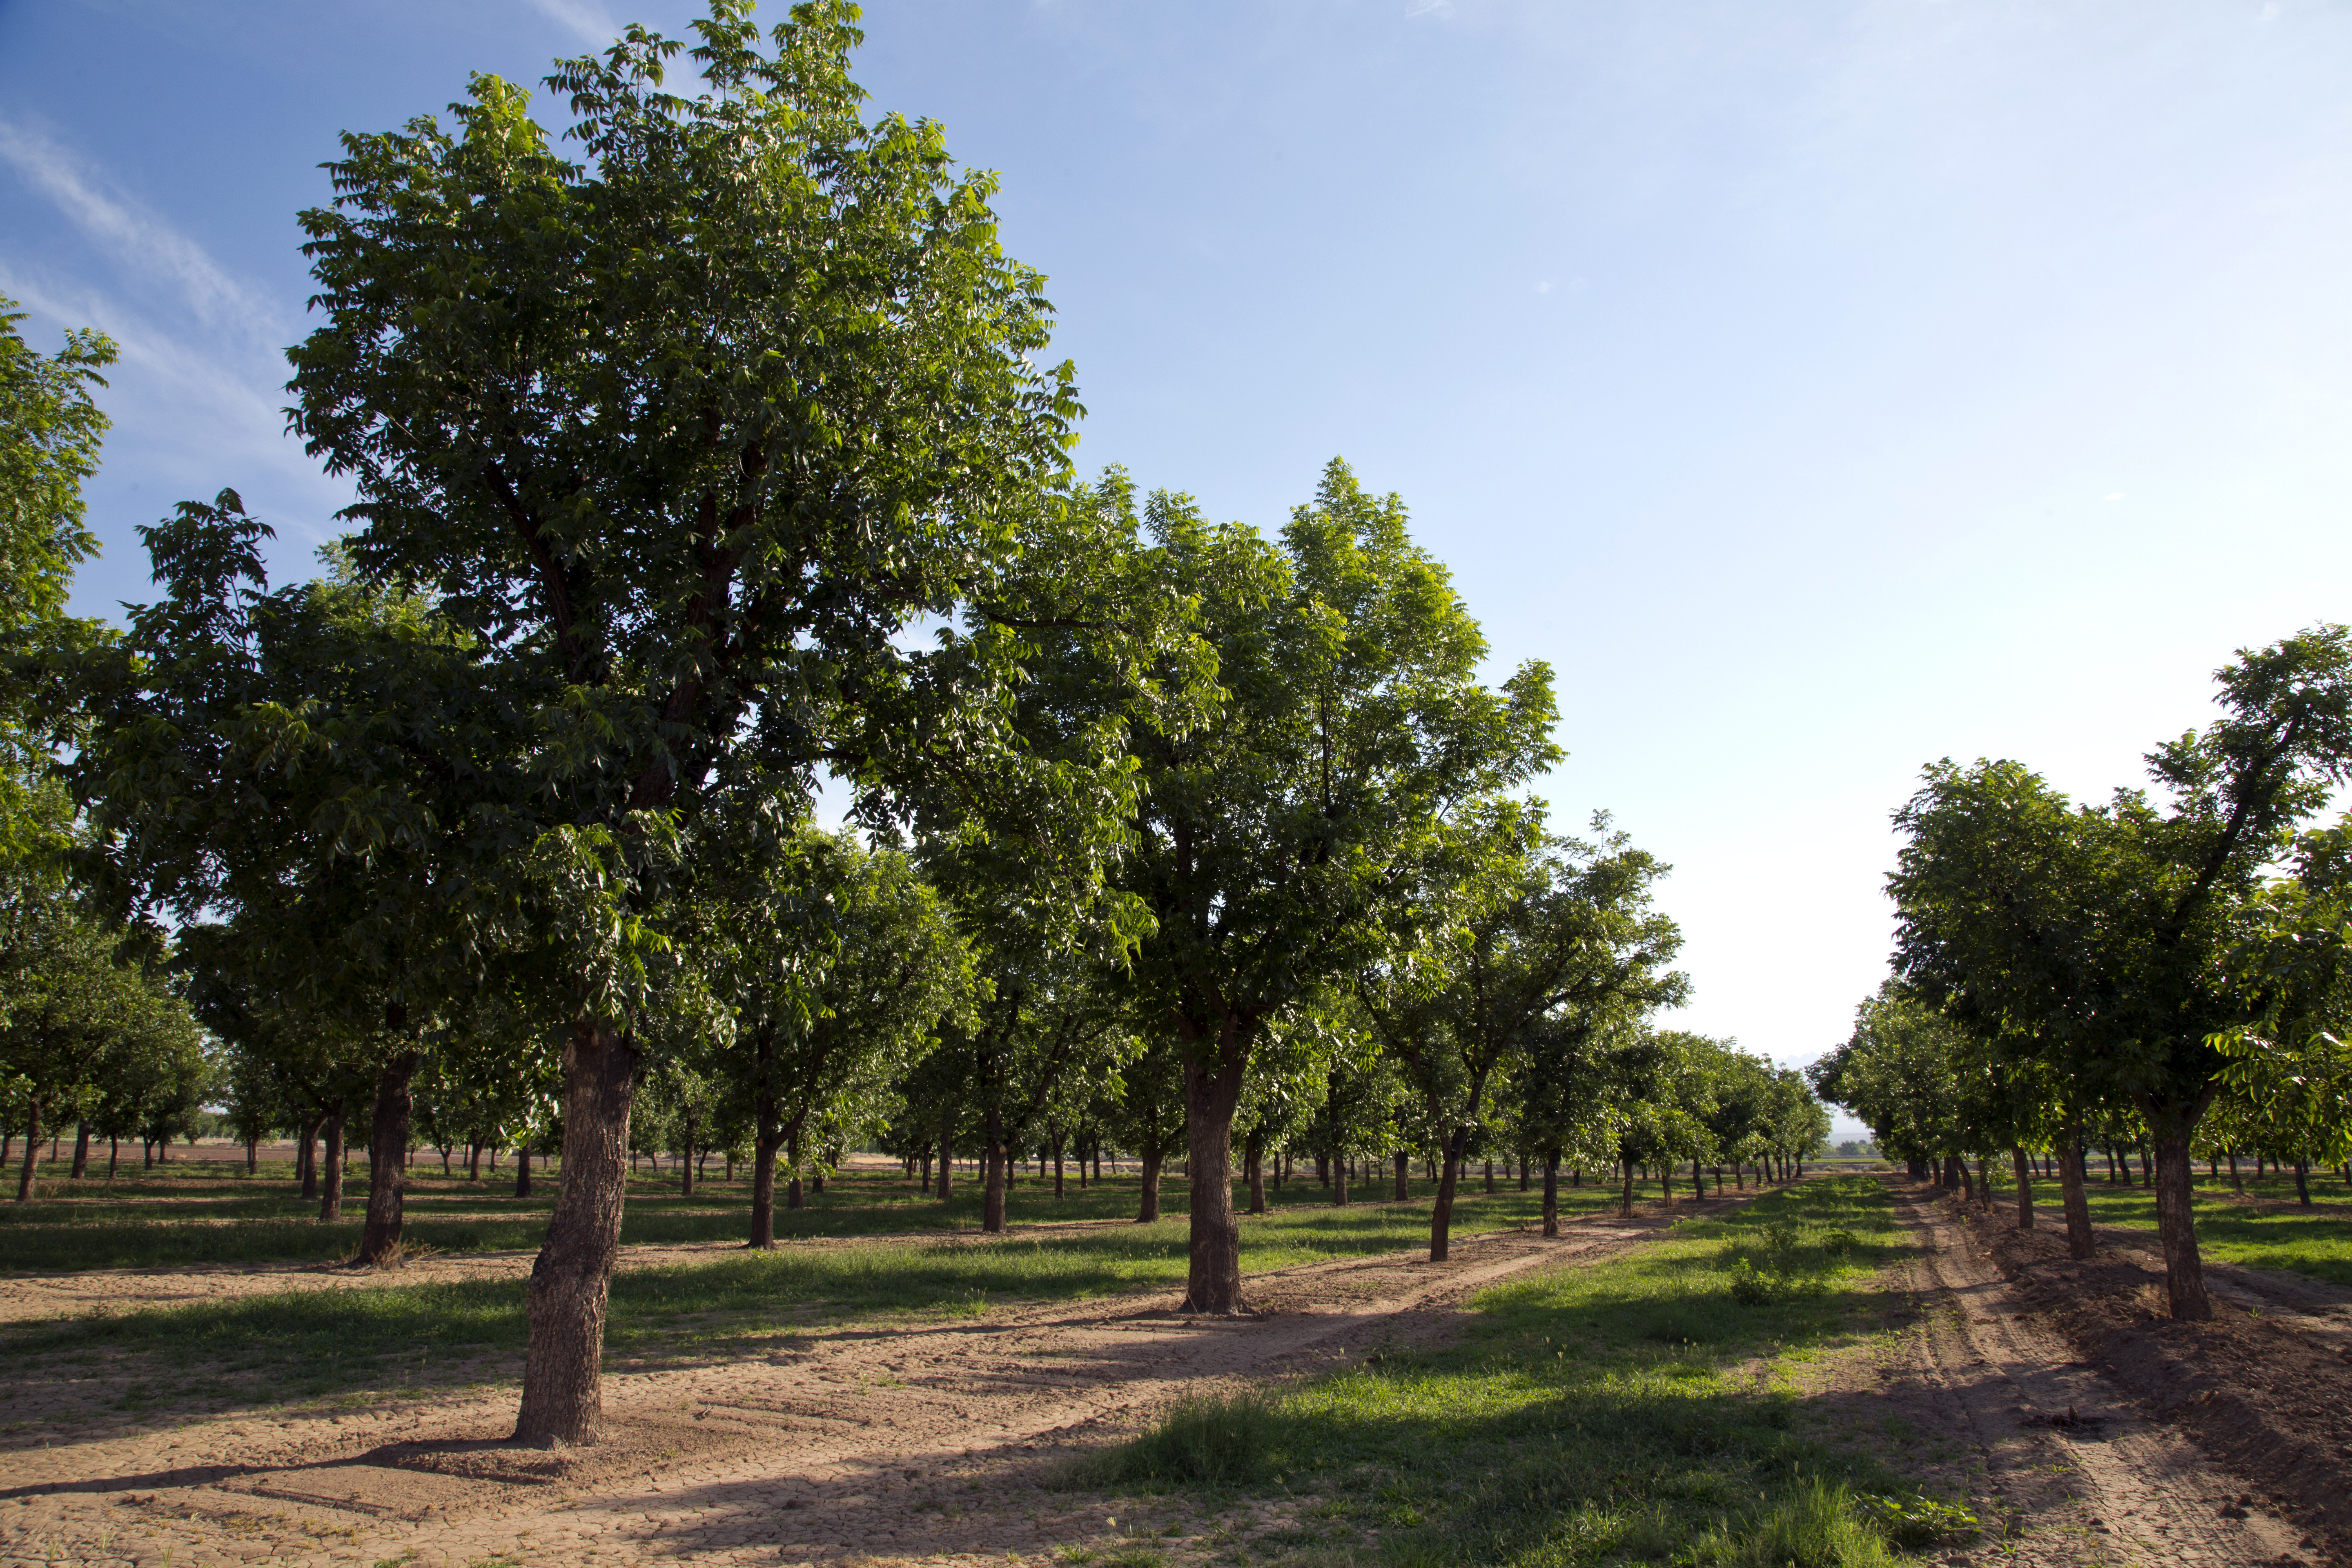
[710, 457]
[2162, 970]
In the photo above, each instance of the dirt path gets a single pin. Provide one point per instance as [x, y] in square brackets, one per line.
[2063, 1468]
[863, 1438]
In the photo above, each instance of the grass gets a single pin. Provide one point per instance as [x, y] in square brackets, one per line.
[310, 1344]
[2316, 1242]
[212, 1214]
[1607, 1412]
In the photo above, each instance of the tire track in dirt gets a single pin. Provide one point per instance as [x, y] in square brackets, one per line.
[858, 1439]
[2062, 1462]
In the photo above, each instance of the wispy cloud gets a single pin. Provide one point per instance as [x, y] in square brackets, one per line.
[585, 19]
[143, 244]
[1430, 8]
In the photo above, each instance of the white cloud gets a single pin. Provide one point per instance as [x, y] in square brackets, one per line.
[1439, 8]
[584, 18]
[140, 242]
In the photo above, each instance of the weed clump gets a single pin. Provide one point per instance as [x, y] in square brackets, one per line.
[1817, 1525]
[1919, 1522]
[1205, 1444]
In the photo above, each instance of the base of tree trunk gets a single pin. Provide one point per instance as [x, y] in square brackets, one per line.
[2175, 1223]
[571, 1284]
[387, 1162]
[1214, 1281]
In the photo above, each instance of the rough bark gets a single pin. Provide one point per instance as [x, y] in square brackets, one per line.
[1255, 1163]
[1149, 1210]
[1551, 1196]
[765, 1142]
[32, 1150]
[1057, 1166]
[82, 1153]
[2076, 1202]
[330, 1180]
[1339, 1182]
[2024, 1186]
[1626, 1207]
[1000, 1158]
[522, 1170]
[387, 1152]
[1213, 1088]
[1449, 1180]
[306, 1159]
[1403, 1178]
[571, 1283]
[2175, 1223]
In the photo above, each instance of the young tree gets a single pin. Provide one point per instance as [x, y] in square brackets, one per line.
[840, 965]
[1546, 926]
[1277, 838]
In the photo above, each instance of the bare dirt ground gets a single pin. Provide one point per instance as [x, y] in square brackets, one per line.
[1987, 1389]
[929, 1443]
[2042, 1389]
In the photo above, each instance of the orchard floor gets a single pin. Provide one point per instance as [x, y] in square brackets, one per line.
[947, 1436]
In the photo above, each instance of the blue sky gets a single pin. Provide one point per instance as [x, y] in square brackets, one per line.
[1822, 389]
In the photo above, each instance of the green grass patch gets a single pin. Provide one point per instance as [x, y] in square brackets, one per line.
[206, 1218]
[311, 1342]
[2272, 1232]
[1599, 1414]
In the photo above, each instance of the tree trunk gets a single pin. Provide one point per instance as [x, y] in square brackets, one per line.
[82, 1153]
[1255, 1160]
[2176, 1220]
[1552, 1194]
[32, 1150]
[999, 1157]
[1149, 1208]
[113, 1153]
[946, 1158]
[1403, 1178]
[387, 1146]
[1698, 1181]
[522, 1170]
[1057, 1164]
[764, 1144]
[253, 1156]
[1449, 1180]
[474, 1160]
[1490, 1175]
[1212, 1090]
[685, 1167]
[2302, 1182]
[1338, 1182]
[2024, 1186]
[571, 1283]
[1984, 1182]
[2236, 1179]
[330, 1185]
[306, 1160]
[2074, 1173]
